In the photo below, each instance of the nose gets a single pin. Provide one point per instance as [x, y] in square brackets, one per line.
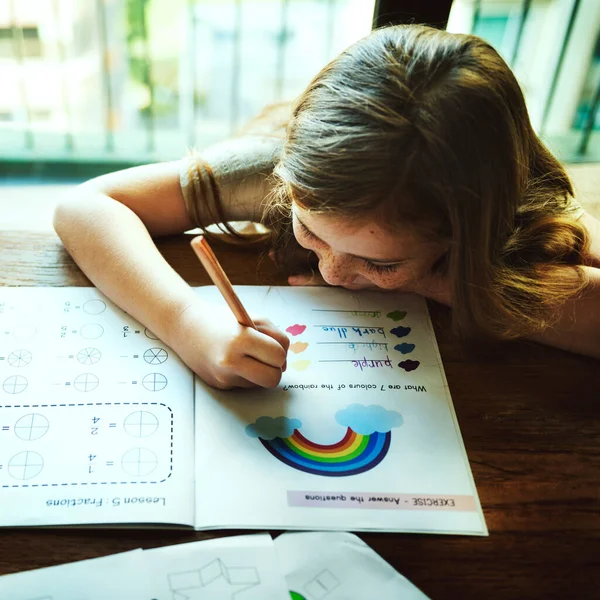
[336, 269]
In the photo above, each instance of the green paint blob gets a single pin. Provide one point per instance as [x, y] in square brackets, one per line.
[296, 596]
[397, 315]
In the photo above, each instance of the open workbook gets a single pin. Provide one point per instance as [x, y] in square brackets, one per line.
[101, 423]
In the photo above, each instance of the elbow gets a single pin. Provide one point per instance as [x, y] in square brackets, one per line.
[76, 211]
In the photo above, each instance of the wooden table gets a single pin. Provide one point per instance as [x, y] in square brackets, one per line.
[530, 418]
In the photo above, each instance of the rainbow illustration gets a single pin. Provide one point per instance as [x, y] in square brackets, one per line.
[363, 446]
[353, 454]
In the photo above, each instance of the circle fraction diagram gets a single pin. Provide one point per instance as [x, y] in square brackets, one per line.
[154, 382]
[31, 427]
[139, 462]
[140, 424]
[94, 307]
[89, 356]
[149, 334]
[19, 358]
[25, 465]
[155, 356]
[14, 384]
[86, 382]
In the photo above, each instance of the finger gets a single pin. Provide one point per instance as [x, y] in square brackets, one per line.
[258, 372]
[264, 348]
[307, 279]
[265, 326]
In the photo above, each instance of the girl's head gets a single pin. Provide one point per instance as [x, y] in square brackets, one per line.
[414, 148]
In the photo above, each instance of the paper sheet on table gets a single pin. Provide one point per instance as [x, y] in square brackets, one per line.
[118, 577]
[339, 566]
[241, 566]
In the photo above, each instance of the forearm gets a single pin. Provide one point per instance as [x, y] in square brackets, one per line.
[578, 330]
[114, 249]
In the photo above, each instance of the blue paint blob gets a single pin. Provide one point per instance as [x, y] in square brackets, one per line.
[404, 348]
[400, 331]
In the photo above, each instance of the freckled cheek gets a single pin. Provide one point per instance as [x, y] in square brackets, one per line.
[391, 281]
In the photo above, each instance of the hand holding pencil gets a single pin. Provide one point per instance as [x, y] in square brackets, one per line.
[228, 352]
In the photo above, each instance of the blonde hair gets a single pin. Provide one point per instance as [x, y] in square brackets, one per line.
[431, 128]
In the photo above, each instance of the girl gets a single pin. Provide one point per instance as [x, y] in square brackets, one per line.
[408, 164]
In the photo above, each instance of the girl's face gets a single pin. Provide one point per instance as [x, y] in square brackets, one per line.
[362, 254]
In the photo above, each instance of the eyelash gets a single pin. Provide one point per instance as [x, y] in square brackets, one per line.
[373, 268]
[370, 267]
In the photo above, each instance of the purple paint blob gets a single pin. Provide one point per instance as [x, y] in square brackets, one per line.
[404, 348]
[409, 365]
[400, 331]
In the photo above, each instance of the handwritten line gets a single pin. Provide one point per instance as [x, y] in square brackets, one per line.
[357, 343]
[351, 325]
[365, 313]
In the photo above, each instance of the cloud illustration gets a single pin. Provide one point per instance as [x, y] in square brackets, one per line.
[368, 419]
[268, 428]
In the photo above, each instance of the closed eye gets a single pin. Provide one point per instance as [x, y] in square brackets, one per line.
[372, 267]
[308, 233]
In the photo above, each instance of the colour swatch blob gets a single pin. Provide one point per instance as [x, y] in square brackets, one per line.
[364, 445]
[296, 329]
[400, 331]
[397, 315]
[298, 347]
[409, 365]
[404, 348]
[300, 365]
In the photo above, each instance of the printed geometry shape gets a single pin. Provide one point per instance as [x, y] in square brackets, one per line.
[31, 427]
[19, 358]
[353, 454]
[139, 462]
[91, 331]
[89, 356]
[15, 384]
[155, 356]
[154, 382]
[324, 583]
[214, 580]
[140, 424]
[86, 382]
[94, 307]
[25, 465]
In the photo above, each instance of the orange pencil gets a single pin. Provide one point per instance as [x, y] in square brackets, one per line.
[219, 278]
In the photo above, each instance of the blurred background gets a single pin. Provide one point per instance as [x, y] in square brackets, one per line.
[89, 86]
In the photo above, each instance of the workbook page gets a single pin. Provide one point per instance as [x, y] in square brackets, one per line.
[244, 567]
[96, 414]
[116, 577]
[361, 433]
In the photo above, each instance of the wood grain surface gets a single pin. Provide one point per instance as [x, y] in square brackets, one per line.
[530, 419]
